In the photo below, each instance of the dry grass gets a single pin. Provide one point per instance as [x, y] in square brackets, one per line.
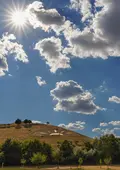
[41, 132]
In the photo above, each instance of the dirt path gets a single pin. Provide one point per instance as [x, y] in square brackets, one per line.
[85, 168]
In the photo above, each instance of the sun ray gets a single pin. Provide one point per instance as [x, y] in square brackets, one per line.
[16, 18]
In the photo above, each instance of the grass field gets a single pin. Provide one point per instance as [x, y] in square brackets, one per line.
[41, 132]
[64, 168]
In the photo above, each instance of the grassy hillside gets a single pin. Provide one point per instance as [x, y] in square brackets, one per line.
[47, 133]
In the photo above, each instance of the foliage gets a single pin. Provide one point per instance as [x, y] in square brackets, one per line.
[38, 159]
[100, 162]
[99, 151]
[2, 157]
[56, 157]
[107, 160]
[12, 152]
[23, 161]
[80, 161]
[29, 121]
[25, 121]
[30, 147]
[18, 122]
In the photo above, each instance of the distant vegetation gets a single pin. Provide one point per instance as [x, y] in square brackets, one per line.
[105, 150]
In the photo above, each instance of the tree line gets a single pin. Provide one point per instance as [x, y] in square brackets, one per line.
[104, 150]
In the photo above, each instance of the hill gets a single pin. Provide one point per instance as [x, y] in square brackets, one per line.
[43, 132]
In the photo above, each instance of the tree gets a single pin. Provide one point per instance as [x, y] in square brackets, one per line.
[108, 146]
[57, 157]
[66, 151]
[47, 150]
[12, 152]
[107, 161]
[23, 162]
[25, 121]
[100, 162]
[2, 158]
[38, 159]
[29, 121]
[18, 122]
[29, 147]
[80, 161]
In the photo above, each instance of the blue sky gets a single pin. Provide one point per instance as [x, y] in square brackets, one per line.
[68, 45]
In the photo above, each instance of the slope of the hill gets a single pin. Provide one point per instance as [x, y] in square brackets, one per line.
[45, 133]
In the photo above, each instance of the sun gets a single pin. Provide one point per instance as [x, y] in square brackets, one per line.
[19, 18]
[16, 18]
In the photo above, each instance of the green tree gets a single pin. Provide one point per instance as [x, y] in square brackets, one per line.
[18, 121]
[25, 121]
[100, 162]
[47, 150]
[107, 161]
[57, 157]
[12, 152]
[38, 159]
[23, 162]
[29, 147]
[66, 151]
[80, 161]
[107, 146]
[29, 121]
[2, 158]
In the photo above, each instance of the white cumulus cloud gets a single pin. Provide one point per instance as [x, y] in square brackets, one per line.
[78, 125]
[114, 99]
[51, 51]
[114, 123]
[40, 81]
[103, 131]
[71, 97]
[9, 46]
[46, 19]
[103, 124]
[36, 122]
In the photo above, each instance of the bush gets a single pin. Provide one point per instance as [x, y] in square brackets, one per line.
[38, 159]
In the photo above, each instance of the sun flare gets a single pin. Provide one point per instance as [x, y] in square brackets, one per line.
[19, 18]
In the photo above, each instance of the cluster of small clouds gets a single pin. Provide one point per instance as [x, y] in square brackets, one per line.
[78, 125]
[71, 97]
[40, 81]
[103, 131]
[9, 46]
[109, 130]
[113, 123]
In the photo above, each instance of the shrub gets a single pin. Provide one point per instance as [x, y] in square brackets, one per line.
[38, 159]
